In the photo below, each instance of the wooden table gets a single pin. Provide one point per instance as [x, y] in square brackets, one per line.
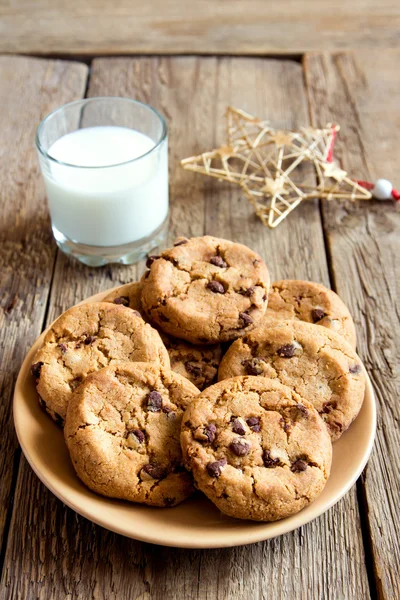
[258, 27]
[351, 552]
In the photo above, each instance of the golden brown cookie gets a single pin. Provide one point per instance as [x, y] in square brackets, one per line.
[256, 448]
[87, 338]
[311, 302]
[122, 431]
[314, 361]
[206, 290]
[197, 363]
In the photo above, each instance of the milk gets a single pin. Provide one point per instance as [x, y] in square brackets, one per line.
[98, 197]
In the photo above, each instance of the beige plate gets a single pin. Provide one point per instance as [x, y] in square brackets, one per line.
[195, 523]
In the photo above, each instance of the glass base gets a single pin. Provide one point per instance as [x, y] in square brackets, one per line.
[98, 256]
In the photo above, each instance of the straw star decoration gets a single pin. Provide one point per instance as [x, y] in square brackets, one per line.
[268, 164]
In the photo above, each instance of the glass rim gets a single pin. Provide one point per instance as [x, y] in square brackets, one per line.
[44, 121]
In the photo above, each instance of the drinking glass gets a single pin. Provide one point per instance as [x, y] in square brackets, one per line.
[107, 181]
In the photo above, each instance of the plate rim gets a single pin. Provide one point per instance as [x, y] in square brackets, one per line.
[256, 534]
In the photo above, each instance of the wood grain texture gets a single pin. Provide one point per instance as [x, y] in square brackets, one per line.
[52, 552]
[360, 92]
[29, 89]
[253, 27]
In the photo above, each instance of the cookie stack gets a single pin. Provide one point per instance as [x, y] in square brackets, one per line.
[124, 378]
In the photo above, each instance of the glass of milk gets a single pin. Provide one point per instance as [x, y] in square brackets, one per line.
[105, 167]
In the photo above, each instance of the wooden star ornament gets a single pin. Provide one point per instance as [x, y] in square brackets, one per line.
[270, 165]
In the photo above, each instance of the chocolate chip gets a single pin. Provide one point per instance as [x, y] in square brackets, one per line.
[89, 340]
[137, 313]
[355, 369]
[181, 241]
[270, 462]
[253, 366]
[286, 351]
[169, 412]
[239, 448]
[214, 468]
[317, 314]
[299, 465]
[328, 407]
[154, 401]
[124, 300]
[138, 434]
[218, 261]
[254, 423]
[216, 287]
[210, 432]
[151, 259]
[154, 470]
[238, 427]
[249, 292]
[247, 319]
[265, 298]
[63, 348]
[302, 409]
[194, 370]
[36, 368]
[285, 425]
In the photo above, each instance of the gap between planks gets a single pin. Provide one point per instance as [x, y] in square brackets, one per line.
[89, 58]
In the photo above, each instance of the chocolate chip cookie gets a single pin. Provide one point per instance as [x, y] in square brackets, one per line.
[311, 302]
[197, 363]
[314, 361]
[206, 290]
[256, 448]
[87, 338]
[122, 431]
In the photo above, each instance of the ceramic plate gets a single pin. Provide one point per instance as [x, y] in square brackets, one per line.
[196, 523]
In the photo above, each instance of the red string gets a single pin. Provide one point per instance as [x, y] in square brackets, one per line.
[329, 156]
[366, 184]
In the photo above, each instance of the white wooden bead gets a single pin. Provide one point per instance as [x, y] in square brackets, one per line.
[382, 190]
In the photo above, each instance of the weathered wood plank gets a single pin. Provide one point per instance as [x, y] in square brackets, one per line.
[322, 560]
[29, 89]
[360, 92]
[226, 27]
